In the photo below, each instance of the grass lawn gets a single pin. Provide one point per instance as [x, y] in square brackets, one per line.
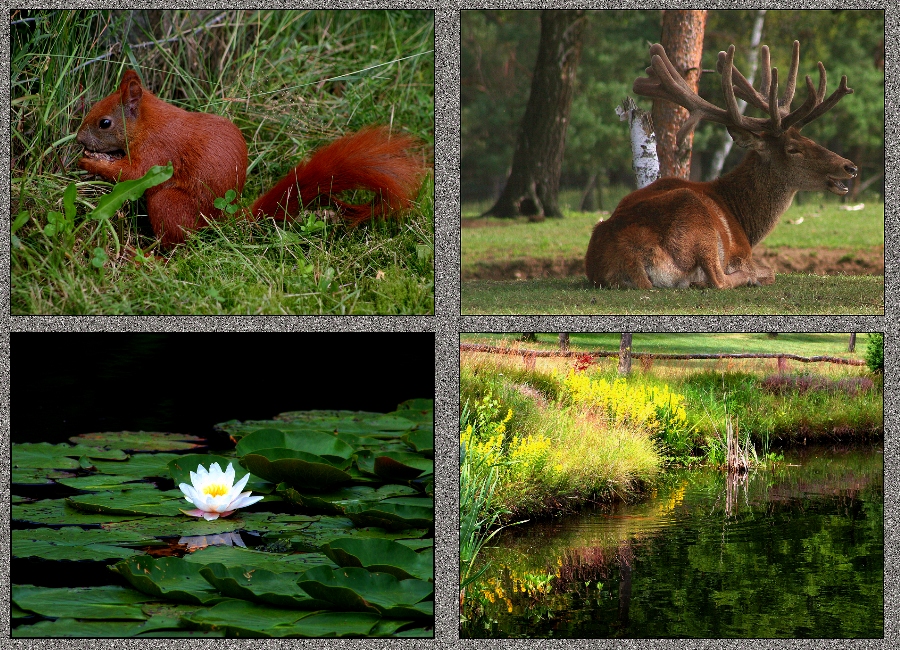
[791, 294]
[816, 223]
[802, 344]
[496, 251]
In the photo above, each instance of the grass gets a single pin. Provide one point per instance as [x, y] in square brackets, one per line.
[291, 81]
[504, 245]
[823, 225]
[790, 294]
[801, 344]
[780, 412]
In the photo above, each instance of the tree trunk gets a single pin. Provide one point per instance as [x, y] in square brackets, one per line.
[851, 347]
[644, 158]
[682, 38]
[563, 341]
[532, 188]
[589, 197]
[625, 355]
[752, 63]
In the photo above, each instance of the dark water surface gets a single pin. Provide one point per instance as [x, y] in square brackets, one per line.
[792, 551]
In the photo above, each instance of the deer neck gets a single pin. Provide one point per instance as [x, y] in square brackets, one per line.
[757, 193]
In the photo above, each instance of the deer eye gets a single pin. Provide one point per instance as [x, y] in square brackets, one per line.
[105, 123]
[794, 151]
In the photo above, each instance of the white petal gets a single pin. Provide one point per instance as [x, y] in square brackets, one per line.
[229, 475]
[215, 471]
[243, 501]
[210, 516]
[240, 484]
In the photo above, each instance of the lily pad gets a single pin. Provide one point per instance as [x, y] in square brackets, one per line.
[326, 445]
[34, 476]
[103, 482]
[393, 516]
[298, 468]
[248, 620]
[394, 466]
[140, 441]
[75, 544]
[130, 502]
[363, 591]
[334, 502]
[56, 512]
[180, 467]
[111, 603]
[145, 465]
[422, 441]
[41, 455]
[72, 628]
[382, 555]
[171, 578]
[259, 585]
[232, 556]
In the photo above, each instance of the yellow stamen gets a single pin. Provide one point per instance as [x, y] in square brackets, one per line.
[215, 490]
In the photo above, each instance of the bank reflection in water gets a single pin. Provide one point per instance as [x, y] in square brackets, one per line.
[793, 551]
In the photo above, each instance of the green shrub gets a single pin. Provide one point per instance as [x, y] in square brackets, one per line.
[875, 352]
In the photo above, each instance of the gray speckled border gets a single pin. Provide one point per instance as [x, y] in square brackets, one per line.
[447, 324]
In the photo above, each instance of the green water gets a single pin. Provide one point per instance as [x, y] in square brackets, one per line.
[796, 550]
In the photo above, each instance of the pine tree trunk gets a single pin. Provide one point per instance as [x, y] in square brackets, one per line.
[682, 38]
[533, 185]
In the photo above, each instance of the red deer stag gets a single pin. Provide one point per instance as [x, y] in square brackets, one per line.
[678, 233]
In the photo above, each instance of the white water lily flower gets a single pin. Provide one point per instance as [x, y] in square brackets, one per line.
[215, 493]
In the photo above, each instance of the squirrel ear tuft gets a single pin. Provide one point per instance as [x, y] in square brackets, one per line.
[131, 92]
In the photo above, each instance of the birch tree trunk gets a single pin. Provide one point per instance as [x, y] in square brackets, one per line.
[718, 160]
[644, 160]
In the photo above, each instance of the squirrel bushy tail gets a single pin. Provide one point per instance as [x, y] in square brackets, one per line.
[372, 159]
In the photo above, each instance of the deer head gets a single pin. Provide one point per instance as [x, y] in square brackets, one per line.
[775, 138]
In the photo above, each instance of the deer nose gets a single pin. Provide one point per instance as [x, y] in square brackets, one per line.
[850, 168]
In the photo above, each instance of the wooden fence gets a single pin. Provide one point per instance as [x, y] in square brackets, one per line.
[533, 354]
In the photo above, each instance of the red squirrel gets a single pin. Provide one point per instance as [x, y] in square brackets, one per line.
[131, 130]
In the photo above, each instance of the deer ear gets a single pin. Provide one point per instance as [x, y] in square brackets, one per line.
[743, 138]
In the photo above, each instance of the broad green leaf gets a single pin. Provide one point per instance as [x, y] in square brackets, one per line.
[56, 512]
[180, 468]
[394, 466]
[82, 602]
[135, 441]
[148, 465]
[73, 543]
[260, 585]
[33, 476]
[69, 627]
[393, 516]
[298, 468]
[41, 455]
[362, 591]
[422, 441]
[233, 556]
[334, 502]
[129, 191]
[419, 404]
[317, 443]
[171, 578]
[104, 482]
[382, 555]
[248, 620]
[130, 502]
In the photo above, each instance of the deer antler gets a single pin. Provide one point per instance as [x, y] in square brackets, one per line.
[663, 81]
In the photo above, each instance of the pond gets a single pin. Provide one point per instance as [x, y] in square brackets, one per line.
[795, 550]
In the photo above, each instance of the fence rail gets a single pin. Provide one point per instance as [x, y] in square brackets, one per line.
[494, 349]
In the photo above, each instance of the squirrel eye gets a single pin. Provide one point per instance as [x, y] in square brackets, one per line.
[105, 123]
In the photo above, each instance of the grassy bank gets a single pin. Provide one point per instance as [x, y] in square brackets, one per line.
[569, 430]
